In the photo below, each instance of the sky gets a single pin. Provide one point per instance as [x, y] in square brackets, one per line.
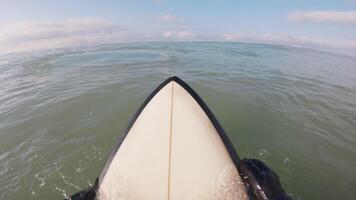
[45, 24]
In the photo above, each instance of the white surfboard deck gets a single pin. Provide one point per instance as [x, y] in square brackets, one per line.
[171, 151]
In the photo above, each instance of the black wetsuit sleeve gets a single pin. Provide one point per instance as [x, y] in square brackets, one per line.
[263, 181]
[88, 194]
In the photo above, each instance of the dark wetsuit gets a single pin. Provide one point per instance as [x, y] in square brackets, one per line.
[263, 181]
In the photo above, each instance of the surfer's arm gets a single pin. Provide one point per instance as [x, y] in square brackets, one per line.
[88, 194]
[264, 182]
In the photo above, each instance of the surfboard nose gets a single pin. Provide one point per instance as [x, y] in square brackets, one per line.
[172, 150]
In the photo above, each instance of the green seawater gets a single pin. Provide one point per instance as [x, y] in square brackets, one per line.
[62, 110]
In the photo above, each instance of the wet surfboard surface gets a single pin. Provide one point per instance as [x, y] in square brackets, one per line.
[173, 149]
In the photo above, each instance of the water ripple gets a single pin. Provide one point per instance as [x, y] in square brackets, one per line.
[61, 110]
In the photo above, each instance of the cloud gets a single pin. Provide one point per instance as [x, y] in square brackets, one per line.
[91, 31]
[300, 41]
[183, 35]
[27, 36]
[178, 28]
[325, 17]
[170, 20]
[167, 34]
[49, 34]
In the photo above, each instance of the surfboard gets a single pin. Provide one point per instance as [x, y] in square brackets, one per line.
[173, 149]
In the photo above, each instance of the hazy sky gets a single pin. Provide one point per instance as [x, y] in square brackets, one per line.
[40, 24]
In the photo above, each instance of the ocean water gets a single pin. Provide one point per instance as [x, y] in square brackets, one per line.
[62, 110]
